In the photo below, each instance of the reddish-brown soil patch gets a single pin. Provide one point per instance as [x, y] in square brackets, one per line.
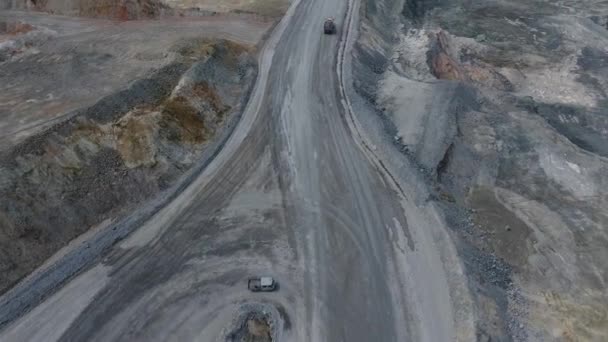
[204, 91]
[445, 66]
[179, 117]
[15, 28]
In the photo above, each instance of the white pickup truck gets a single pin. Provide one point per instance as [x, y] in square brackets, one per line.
[266, 284]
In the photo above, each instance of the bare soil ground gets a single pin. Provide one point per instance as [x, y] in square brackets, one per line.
[146, 9]
[254, 329]
[504, 107]
[97, 118]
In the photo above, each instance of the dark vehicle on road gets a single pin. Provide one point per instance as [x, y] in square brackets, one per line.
[329, 27]
[266, 284]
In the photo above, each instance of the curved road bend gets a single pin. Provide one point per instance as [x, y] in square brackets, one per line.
[290, 195]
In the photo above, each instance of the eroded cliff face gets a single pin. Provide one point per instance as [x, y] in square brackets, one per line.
[117, 154]
[503, 107]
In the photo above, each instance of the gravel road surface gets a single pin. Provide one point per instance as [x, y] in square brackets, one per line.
[296, 193]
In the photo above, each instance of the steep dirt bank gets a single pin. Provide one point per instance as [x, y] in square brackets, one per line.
[503, 107]
[116, 154]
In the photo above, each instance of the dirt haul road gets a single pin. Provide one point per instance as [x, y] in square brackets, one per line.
[297, 193]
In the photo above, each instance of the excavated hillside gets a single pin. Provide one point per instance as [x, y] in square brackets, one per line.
[113, 156]
[503, 108]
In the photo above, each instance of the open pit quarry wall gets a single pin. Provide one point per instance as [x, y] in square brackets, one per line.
[502, 106]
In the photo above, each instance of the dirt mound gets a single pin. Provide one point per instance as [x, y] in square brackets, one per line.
[116, 154]
[17, 37]
[256, 328]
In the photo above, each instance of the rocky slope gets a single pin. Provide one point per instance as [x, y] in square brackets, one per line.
[502, 105]
[116, 154]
